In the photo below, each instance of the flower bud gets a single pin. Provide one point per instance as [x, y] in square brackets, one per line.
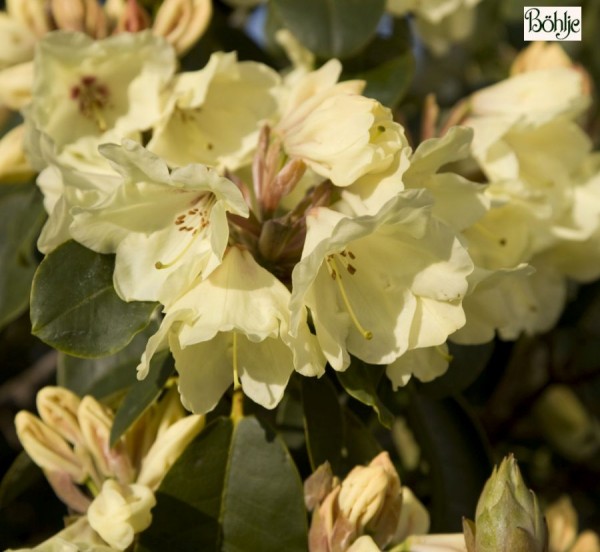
[562, 525]
[96, 421]
[588, 541]
[449, 542]
[16, 83]
[14, 167]
[566, 423]
[540, 55]
[119, 512]
[17, 43]
[57, 407]
[133, 18]
[364, 544]
[508, 517]
[167, 448]
[182, 22]
[32, 14]
[414, 518]
[47, 448]
[368, 501]
[85, 16]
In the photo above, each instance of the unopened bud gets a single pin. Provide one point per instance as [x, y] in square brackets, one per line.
[508, 517]
[85, 16]
[96, 421]
[167, 448]
[15, 85]
[369, 500]
[17, 42]
[588, 541]
[566, 423]
[32, 14]
[182, 22]
[414, 518]
[133, 18]
[47, 448]
[120, 512]
[562, 525]
[57, 407]
[14, 167]
[364, 544]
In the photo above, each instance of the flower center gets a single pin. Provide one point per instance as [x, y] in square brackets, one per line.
[344, 258]
[193, 222]
[92, 98]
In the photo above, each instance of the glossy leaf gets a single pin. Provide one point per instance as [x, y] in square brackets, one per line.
[235, 488]
[103, 377]
[468, 361]
[389, 82]
[333, 432]
[323, 423]
[75, 309]
[142, 394]
[20, 476]
[360, 380]
[331, 28]
[458, 456]
[21, 218]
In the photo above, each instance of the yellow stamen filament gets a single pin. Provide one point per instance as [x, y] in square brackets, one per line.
[237, 400]
[160, 265]
[336, 275]
[236, 379]
[201, 212]
[98, 117]
[440, 351]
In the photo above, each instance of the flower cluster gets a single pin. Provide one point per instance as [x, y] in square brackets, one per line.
[109, 488]
[284, 222]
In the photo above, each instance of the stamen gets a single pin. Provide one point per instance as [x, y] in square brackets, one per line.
[335, 274]
[236, 379]
[201, 212]
[92, 98]
[440, 351]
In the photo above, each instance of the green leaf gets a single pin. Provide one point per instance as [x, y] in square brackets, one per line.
[360, 380]
[323, 423]
[21, 218]
[458, 455]
[106, 376]
[75, 309]
[331, 28]
[333, 433]
[360, 447]
[235, 488]
[21, 476]
[142, 394]
[468, 361]
[389, 82]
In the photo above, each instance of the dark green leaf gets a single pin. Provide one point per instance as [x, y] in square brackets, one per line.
[333, 433]
[389, 82]
[323, 423]
[468, 361]
[360, 447]
[331, 28]
[458, 456]
[142, 394]
[21, 475]
[234, 489]
[75, 309]
[21, 217]
[103, 377]
[360, 380]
